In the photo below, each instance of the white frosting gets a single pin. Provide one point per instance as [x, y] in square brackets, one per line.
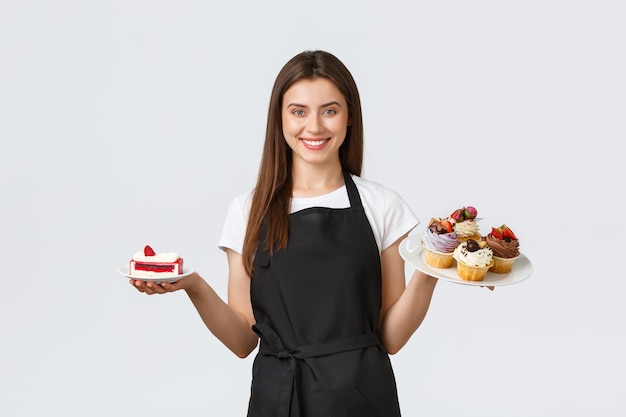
[467, 228]
[159, 257]
[481, 257]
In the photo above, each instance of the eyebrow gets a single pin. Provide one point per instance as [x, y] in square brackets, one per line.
[330, 103]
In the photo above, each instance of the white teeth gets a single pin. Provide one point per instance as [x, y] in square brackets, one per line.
[314, 142]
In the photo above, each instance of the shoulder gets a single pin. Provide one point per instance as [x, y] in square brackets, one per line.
[390, 216]
[368, 185]
[373, 191]
[234, 227]
[241, 203]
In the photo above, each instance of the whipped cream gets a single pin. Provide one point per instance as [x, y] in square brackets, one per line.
[481, 257]
[466, 228]
[159, 257]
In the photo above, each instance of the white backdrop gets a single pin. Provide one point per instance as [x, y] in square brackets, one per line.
[125, 123]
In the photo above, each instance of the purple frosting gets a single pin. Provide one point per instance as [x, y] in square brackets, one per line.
[445, 242]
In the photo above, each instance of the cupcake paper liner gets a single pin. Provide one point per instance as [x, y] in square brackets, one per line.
[438, 259]
[472, 273]
[502, 265]
[477, 237]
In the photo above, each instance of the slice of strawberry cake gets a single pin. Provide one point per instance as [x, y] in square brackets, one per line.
[161, 265]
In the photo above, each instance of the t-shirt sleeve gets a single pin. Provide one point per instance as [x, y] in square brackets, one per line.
[398, 218]
[234, 228]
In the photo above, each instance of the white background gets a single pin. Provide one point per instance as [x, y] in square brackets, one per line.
[134, 122]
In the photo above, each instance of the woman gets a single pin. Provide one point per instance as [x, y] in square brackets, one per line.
[314, 268]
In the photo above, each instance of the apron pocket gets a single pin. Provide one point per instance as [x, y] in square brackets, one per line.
[261, 258]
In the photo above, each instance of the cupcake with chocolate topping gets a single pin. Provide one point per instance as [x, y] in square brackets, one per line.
[473, 260]
[439, 241]
[465, 223]
[505, 247]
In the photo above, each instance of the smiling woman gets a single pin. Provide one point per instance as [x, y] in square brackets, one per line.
[315, 272]
[315, 123]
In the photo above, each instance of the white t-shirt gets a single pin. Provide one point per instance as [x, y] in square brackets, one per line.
[389, 215]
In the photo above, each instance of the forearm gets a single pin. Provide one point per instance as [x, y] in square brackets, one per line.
[227, 324]
[404, 317]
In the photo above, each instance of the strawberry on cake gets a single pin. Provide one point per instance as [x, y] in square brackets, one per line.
[150, 264]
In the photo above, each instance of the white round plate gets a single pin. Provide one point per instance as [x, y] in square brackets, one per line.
[412, 252]
[125, 270]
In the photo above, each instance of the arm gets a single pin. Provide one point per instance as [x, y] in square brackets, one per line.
[230, 322]
[403, 306]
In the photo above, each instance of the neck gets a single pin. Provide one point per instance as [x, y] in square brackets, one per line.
[311, 181]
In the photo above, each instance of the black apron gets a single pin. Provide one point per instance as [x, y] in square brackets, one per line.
[316, 305]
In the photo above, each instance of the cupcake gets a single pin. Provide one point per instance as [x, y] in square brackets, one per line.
[465, 224]
[439, 241]
[505, 247]
[473, 260]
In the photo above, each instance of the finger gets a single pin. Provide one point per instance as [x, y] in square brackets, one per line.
[174, 286]
[143, 286]
[139, 285]
[154, 288]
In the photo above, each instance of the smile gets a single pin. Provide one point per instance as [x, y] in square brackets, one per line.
[314, 143]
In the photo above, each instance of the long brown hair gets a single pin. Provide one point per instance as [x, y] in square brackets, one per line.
[272, 194]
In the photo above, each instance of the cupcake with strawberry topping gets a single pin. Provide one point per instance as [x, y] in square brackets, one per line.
[465, 223]
[505, 247]
[439, 241]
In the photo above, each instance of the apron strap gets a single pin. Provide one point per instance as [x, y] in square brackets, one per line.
[353, 193]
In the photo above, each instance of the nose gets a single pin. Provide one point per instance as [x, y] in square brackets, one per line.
[315, 124]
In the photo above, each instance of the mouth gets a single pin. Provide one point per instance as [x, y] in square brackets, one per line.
[315, 143]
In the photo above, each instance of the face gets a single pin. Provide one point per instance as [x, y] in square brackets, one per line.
[315, 121]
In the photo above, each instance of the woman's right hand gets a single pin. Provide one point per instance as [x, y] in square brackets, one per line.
[151, 287]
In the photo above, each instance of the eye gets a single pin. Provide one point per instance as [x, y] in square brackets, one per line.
[298, 112]
[330, 111]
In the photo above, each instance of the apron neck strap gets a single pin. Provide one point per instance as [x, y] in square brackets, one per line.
[353, 193]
